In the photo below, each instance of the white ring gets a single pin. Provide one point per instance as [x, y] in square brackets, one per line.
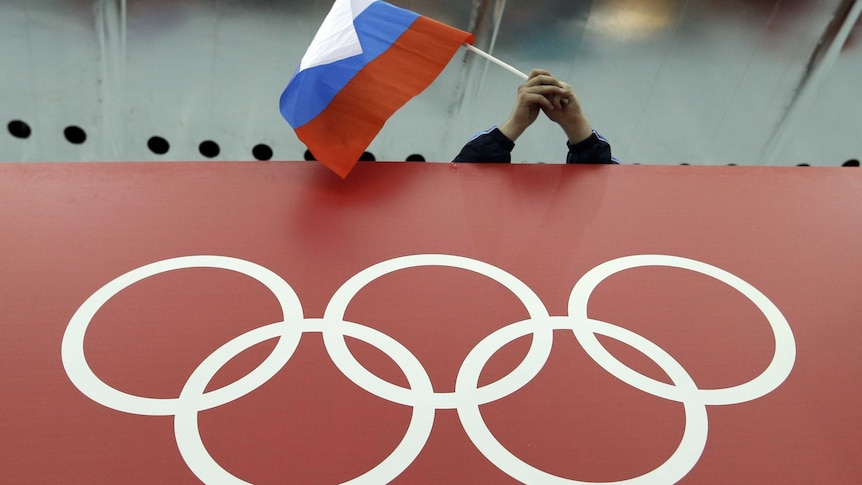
[202, 464]
[83, 377]
[677, 466]
[350, 367]
[776, 372]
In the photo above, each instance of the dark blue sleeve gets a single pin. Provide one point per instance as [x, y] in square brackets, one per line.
[490, 146]
[493, 146]
[593, 150]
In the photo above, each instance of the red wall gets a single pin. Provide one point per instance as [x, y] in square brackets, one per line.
[731, 349]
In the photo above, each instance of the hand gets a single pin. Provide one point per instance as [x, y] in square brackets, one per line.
[542, 91]
[568, 115]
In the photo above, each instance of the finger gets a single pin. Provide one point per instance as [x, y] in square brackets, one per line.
[539, 99]
[544, 89]
[568, 94]
[538, 72]
[552, 94]
[544, 79]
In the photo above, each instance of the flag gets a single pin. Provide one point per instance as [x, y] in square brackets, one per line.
[368, 59]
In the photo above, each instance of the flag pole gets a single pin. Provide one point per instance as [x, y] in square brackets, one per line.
[496, 61]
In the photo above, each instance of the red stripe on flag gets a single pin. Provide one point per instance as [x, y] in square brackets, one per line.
[338, 136]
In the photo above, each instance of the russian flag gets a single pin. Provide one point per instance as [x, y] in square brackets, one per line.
[368, 59]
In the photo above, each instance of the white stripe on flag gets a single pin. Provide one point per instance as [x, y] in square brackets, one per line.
[336, 39]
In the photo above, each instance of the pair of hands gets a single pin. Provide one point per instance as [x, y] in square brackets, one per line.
[543, 92]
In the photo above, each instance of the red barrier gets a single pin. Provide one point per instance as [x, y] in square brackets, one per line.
[441, 323]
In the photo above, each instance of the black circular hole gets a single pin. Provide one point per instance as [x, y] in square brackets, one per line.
[158, 145]
[367, 157]
[75, 135]
[851, 163]
[262, 152]
[803, 164]
[209, 149]
[415, 158]
[19, 129]
[309, 156]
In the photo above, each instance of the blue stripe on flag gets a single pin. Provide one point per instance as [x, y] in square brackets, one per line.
[310, 91]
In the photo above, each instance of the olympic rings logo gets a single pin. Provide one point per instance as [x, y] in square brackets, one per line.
[420, 395]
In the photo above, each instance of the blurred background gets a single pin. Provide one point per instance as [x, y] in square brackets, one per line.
[700, 82]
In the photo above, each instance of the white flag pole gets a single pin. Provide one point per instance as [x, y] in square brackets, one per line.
[502, 64]
[496, 61]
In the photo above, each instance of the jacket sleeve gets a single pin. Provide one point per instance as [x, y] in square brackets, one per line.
[490, 146]
[593, 150]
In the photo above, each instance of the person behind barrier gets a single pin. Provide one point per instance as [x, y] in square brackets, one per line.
[541, 92]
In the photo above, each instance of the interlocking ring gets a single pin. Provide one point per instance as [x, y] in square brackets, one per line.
[420, 394]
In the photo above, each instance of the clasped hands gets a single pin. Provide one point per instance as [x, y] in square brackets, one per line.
[543, 92]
